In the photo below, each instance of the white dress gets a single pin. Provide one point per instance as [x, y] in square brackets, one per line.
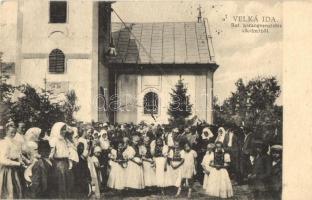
[116, 177]
[134, 172]
[219, 183]
[160, 163]
[188, 168]
[173, 176]
[148, 168]
[208, 158]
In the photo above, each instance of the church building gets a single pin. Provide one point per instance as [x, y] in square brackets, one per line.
[120, 72]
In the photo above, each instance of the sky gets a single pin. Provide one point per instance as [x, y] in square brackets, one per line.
[238, 54]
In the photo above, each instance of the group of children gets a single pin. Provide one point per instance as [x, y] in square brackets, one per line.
[148, 164]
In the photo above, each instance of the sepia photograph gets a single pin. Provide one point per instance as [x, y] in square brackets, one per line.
[147, 99]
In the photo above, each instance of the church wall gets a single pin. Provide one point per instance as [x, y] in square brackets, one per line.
[198, 89]
[77, 38]
[127, 93]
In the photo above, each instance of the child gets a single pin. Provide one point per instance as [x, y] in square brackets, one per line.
[160, 152]
[219, 183]
[175, 161]
[82, 175]
[208, 158]
[148, 163]
[188, 168]
[116, 179]
[41, 179]
[134, 170]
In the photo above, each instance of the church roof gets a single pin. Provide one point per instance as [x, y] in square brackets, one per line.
[162, 43]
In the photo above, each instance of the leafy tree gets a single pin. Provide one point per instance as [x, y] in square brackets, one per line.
[179, 108]
[36, 110]
[253, 106]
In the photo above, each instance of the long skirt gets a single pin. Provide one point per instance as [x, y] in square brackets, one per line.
[10, 185]
[149, 174]
[116, 178]
[160, 163]
[134, 174]
[61, 174]
[173, 176]
[219, 184]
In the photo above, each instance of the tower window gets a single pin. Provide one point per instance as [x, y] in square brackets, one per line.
[151, 103]
[58, 11]
[56, 61]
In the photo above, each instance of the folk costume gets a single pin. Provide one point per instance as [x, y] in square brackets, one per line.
[219, 183]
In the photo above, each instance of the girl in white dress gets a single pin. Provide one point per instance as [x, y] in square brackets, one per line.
[134, 170]
[148, 163]
[116, 179]
[175, 161]
[160, 153]
[219, 183]
[188, 169]
[208, 158]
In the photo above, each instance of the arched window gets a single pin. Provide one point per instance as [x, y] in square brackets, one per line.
[151, 103]
[56, 61]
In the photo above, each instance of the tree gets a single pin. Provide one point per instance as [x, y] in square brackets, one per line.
[253, 106]
[179, 108]
[36, 110]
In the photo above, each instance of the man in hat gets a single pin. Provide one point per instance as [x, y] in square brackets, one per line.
[276, 177]
[247, 148]
[261, 171]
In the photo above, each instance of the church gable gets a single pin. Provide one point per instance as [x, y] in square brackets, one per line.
[162, 43]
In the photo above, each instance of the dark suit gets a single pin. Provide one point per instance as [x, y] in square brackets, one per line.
[247, 149]
[234, 151]
[262, 170]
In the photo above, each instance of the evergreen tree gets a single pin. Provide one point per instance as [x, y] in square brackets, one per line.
[179, 108]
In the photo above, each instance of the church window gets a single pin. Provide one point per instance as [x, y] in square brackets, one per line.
[58, 11]
[151, 103]
[56, 61]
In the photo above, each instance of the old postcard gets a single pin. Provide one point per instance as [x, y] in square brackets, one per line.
[141, 99]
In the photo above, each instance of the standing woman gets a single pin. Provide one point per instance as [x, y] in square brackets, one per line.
[60, 155]
[134, 170]
[10, 163]
[160, 153]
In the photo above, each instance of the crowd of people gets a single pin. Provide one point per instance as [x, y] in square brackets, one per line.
[84, 160]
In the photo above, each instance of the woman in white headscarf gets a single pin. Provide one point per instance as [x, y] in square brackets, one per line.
[60, 156]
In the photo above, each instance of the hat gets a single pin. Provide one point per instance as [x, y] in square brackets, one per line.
[105, 124]
[276, 147]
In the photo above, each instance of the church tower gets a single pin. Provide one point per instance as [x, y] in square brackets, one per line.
[60, 46]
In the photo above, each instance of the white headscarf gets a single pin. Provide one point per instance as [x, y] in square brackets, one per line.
[210, 134]
[56, 130]
[32, 134]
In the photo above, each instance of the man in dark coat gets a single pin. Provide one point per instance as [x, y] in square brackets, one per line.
[259, 178]
[276, 177]
[247, 150]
